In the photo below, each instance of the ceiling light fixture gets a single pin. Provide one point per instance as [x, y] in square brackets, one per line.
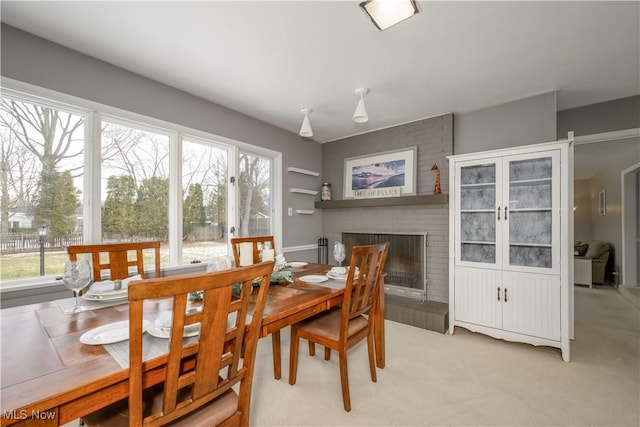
[305, 129]
[360, 115]
[385, 13]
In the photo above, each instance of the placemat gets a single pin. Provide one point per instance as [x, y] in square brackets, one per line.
[332, 283]
[70, 302]
[151, 347]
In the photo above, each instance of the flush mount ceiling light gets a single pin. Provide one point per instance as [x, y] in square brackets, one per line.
[305, 130]
[385, 13]
[360, 115]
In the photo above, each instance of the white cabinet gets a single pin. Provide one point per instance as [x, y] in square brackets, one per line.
[509, 237]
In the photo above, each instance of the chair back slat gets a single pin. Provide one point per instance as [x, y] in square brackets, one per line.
[114, 257]
[361, 290]
[255, 242]
[204, 367]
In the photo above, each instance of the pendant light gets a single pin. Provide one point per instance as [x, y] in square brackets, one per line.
[305, 130]
[360, 115]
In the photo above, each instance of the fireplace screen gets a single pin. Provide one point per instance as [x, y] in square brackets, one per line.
[406, 261]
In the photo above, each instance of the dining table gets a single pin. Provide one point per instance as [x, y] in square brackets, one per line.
[49, 377]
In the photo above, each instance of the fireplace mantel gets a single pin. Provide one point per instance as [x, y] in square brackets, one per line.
[435, 199]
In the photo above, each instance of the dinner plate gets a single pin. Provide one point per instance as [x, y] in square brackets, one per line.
[159, 332]
[314, 278]
[298, 264]
[112, 296]
[337, 277]
[110, 333]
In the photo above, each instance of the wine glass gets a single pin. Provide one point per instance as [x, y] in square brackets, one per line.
[76, 275]
[338, 252]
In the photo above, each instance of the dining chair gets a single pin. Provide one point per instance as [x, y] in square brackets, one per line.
[117, 258]
[197, 385]
[252, 245]
[343, 327]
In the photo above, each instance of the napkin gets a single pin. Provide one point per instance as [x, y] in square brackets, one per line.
[339, 271]
[108, 285]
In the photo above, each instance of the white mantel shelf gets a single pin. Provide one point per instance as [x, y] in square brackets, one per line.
[435, 199]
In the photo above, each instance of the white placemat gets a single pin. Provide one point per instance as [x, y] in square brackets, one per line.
[70, 302]
[332, 283]
[151, 347]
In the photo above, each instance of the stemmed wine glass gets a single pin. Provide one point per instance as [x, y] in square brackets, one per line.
[338, 252]
[76, 275]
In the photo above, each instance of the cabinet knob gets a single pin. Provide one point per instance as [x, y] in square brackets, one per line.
[498, 293]
[506, 212]
[505, 294]
[498, 213]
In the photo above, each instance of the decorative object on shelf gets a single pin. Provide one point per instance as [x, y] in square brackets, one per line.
[360, 115]
[305, 129]
[385, 14]
[303, 171]
[386, 174]
[326, 192]
[436, 187]
[602, 203]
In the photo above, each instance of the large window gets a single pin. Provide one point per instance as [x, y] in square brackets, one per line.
[41, 181]
[69, 175]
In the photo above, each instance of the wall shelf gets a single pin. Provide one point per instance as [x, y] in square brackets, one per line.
[303, 191]
[303, 171]
[435, 199]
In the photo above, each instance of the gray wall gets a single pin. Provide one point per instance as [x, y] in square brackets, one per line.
[434, 139]
[608, 116]
[33, 60]
[523, 122]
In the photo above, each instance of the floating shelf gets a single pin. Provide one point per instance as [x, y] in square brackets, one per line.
[436, 199]
[303, 191]
[304, 212]
[303, 171]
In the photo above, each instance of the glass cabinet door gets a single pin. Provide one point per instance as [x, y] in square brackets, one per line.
[476, 221]
[529, 211]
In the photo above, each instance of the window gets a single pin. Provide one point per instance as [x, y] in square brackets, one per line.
[122, 178]
[41, 181]
[204, 208]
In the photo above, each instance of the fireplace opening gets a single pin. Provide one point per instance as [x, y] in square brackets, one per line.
[406, 264]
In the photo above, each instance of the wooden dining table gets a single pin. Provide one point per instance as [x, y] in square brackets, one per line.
[50, 378]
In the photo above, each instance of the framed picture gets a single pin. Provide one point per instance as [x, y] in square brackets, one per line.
[385, 174]
[602, 203]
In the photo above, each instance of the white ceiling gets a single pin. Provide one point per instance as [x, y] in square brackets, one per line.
[269, 59]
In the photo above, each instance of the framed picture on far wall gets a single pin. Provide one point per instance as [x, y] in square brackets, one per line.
[602, 203]
[385, 174]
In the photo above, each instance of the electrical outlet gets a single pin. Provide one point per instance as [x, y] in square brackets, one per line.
[290, 211]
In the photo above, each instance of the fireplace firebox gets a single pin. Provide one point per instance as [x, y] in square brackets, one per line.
[406, 264]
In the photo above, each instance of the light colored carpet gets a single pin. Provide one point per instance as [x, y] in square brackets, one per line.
[469, 379]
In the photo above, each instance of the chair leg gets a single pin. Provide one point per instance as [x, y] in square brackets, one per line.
[327, 353]
[312, 348]
[293, 356]
[371, 350]
[344, 379]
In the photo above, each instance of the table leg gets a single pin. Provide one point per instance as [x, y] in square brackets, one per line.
[277, 357]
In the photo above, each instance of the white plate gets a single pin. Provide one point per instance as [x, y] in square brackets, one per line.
[121, 295]
[158, 332]
[336, 277]
[298, 264]
[314, 278]
[113, 332]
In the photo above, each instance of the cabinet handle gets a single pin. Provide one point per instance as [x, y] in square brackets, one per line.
[498, 293]
[506, 212]
[505, 294]
[498, 213]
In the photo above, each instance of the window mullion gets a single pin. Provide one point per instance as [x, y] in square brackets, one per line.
[175, 198]
[92, 217]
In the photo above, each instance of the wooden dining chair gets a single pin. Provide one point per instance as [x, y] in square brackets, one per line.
[194, 388]
[254, 242]
[343, 327]
[117, 258]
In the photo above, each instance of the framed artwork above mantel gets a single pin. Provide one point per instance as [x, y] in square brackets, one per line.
[380, 175]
